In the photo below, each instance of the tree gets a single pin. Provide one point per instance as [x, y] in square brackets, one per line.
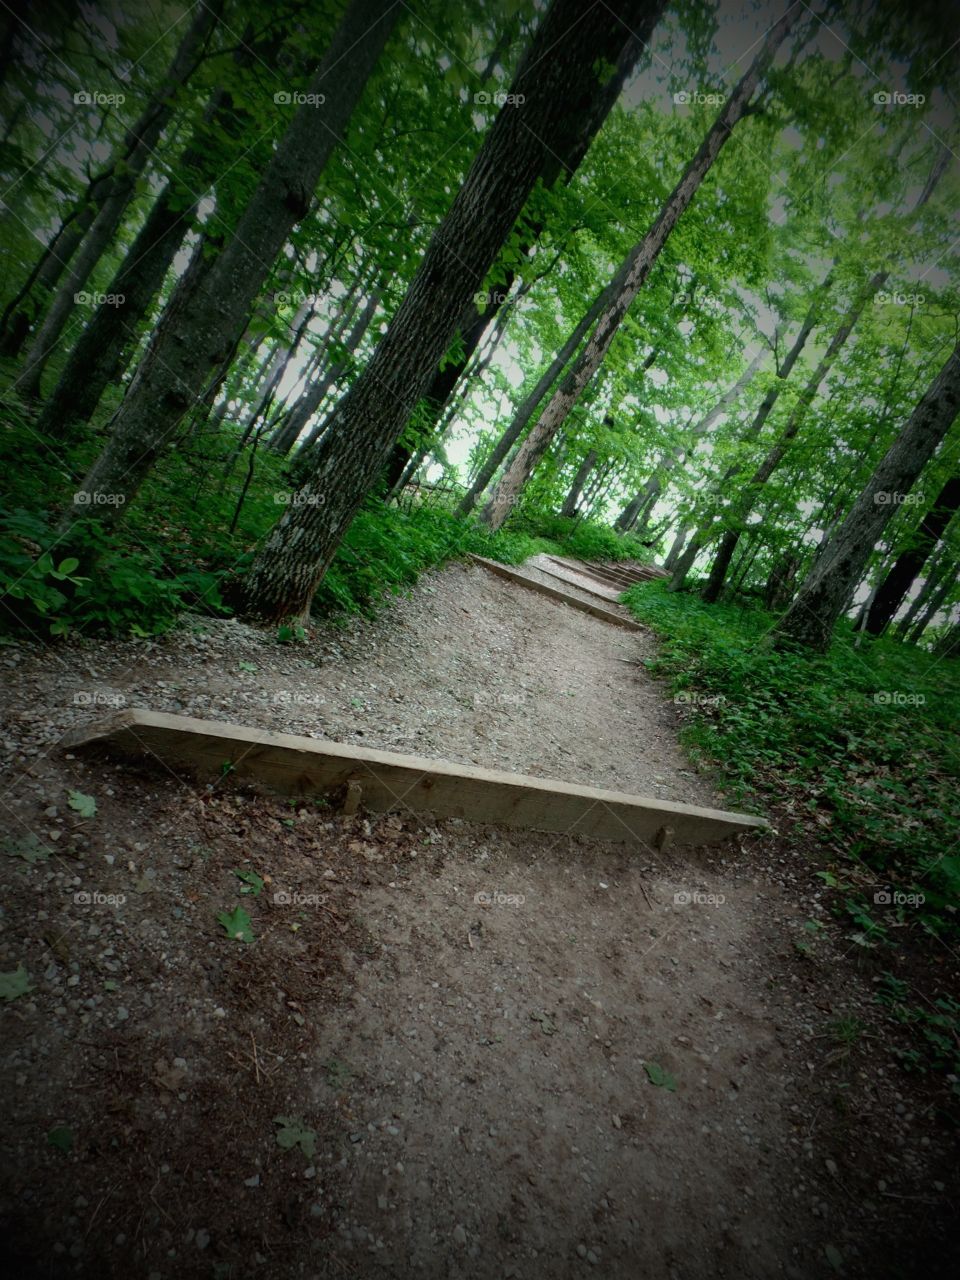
[559, 165]
[99, 355]
[207, 313]
[776, 454]
[94, 228]
[822, 597]
[646, 497]
[910, 561]
[630, 279]
[564, 65]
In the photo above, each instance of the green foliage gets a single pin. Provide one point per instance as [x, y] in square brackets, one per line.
[85, 806]
[935, 1024]
[293, 1132]
[15, 983]
[856, 749]
[237, 924]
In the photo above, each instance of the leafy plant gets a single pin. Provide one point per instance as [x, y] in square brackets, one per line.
[293, 1132]
[237, 924]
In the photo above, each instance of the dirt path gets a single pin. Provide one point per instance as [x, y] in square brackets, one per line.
[519, 1055]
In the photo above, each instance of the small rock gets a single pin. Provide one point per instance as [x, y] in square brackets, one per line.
[203, 1238]
[459, 1234]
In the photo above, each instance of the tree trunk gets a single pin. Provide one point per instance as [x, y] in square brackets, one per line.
[728, 542]
[631, 277]
[946, 585]
[561, 71]
[202, 323]
[910, 562]
[672, 458]
[812, 616]
[530, 403]
[935, 575]
[570, 502]
[673, 555]
[284, 435]
[314, 395]
[102, 350]
[779, 586]
[560, 163]
[137, 149]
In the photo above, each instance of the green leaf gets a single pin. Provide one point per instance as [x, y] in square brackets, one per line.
[15, 983]
[68, 565]
[246, 666]
[61, 1137]
[29, 849]
[834, 1257]
[237, 924]
[294, 1133]
[252, 883]
[660, 1076]
[86, 806]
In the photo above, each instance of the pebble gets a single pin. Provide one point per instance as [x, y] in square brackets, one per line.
[459, 1234]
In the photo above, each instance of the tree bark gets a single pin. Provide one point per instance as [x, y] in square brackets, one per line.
[910, 561]
[728, 542]
[946, 585]
[101, 352]
[118, 191]
[631, 277]
[570, 502]
[672, 458]
[314, 395]
[559, 75]
[818, 604]
[204, 319]
[560, 163]
[529, 405]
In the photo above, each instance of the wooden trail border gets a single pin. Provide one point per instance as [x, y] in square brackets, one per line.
[382, 781]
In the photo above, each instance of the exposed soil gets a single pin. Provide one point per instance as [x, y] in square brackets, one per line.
[518, 1054]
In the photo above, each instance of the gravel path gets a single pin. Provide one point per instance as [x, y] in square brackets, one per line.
[468, 668]
[445, 1050]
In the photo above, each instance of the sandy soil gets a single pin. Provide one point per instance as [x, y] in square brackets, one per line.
[504, 1054]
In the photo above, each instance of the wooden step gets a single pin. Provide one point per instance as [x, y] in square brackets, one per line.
[555, 593]
[390, 781]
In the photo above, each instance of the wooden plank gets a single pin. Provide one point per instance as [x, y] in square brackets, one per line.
[390, 781]
[554, 593]
[574, 578]
[613, 574]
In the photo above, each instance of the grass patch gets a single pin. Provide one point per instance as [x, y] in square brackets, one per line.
[855, 750]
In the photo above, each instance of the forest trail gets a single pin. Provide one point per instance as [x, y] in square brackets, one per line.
[519, 1054]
